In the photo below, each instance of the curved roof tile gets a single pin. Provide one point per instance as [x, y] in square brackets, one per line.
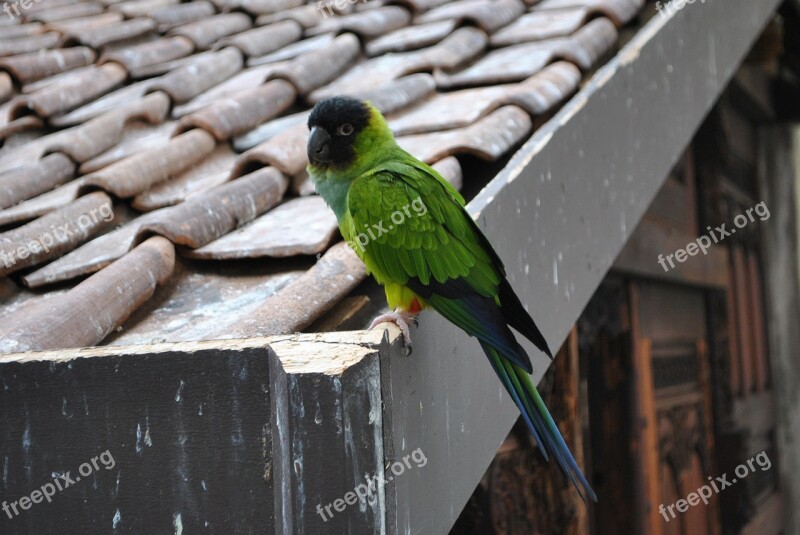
[158, 103]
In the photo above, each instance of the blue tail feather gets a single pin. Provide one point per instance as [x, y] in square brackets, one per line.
[538, 419]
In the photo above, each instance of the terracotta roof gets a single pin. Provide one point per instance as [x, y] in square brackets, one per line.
[152, 182]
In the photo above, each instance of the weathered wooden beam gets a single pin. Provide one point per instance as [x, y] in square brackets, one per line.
[188, 430]
[645, 418]
[558, 215]
[779, 176]
[254, 436]
[328, 430]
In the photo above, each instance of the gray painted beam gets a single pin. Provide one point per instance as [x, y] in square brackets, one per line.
[234, 437]
[558, 214]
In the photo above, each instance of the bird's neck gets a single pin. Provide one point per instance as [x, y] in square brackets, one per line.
[333, 184]
[334, 192]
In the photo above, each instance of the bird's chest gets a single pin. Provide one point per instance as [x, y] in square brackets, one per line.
[335, 196]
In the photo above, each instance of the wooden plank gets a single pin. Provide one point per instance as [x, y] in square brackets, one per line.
[736, 354]
[743, 318]
[690, 179]
[673, 317]
[329, 438]
[779, 168]
[740, 134]
[706, 387]
[188, 433]
[569, 379]
[254, 436]
[608, 357]
[751, 88]
[757, 327]
[645, 432]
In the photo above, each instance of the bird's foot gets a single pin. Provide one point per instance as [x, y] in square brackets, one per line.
[401, 318]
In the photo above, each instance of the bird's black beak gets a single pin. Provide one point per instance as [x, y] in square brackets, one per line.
[319, 146]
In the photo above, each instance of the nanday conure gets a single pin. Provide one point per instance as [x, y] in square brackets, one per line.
[434, 258]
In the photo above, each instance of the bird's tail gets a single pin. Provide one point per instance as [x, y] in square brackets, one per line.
[520, 385]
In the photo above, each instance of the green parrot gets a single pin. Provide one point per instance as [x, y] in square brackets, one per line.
[410, 227]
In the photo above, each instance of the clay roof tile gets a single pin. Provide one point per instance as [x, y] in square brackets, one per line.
[191, 116]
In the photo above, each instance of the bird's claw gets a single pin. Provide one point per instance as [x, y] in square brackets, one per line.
[400, 318]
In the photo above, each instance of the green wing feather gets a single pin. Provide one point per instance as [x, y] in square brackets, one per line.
[439, 252]
[428, 236]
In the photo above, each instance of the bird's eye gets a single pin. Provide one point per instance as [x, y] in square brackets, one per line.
[345, 130]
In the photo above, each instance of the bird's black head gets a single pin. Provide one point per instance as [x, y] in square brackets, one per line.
[335, 124]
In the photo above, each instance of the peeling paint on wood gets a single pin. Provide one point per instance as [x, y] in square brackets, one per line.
[245, 436]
